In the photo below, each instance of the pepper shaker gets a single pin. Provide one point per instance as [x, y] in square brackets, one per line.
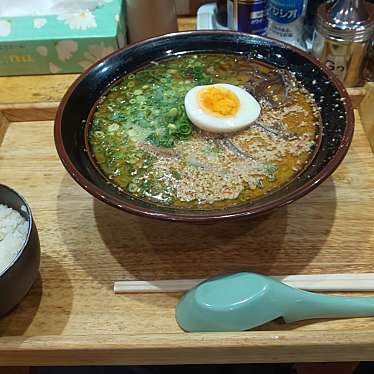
[342, 36]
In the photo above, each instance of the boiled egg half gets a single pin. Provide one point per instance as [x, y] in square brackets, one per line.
[221, 107]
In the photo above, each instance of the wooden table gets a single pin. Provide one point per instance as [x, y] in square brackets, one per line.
[71, 315]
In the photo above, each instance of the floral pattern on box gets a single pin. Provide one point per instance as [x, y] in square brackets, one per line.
[66, 43]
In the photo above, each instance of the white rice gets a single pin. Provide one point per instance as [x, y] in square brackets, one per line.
[13, 233]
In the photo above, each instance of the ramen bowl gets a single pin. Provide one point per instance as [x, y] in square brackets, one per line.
[75, 113]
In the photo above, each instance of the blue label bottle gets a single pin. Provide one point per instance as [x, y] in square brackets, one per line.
[250, 16]
[286, 21]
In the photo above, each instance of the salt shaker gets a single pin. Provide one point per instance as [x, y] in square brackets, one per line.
[342, 36]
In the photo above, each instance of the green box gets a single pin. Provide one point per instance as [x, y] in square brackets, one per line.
[61, 44]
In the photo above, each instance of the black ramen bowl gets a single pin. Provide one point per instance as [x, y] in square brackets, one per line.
[18, 277]
[330, 95]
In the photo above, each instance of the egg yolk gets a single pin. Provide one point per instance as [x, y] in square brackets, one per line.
[218, 101]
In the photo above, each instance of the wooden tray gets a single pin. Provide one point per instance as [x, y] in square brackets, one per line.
[71, 315]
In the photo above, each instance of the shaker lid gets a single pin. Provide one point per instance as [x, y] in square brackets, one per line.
[348, 20]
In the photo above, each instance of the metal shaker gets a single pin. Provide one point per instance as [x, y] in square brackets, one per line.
[342, 36]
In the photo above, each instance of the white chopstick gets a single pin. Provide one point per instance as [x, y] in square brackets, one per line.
[313, 282]
[155, 286]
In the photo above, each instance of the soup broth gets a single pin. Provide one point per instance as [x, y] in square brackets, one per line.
[143, 142]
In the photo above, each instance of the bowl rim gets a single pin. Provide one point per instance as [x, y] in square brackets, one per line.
[216, 215]
[29, 228]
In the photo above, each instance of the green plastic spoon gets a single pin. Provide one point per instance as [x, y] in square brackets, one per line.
[242, 301]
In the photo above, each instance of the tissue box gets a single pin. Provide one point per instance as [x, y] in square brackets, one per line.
[61, 44]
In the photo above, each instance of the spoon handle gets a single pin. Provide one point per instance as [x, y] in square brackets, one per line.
[313, 305]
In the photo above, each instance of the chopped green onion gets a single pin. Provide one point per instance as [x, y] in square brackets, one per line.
[132, 187]
[185, 129]
[172, 113]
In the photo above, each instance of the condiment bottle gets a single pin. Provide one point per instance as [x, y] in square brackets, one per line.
[342, 36]
[247, 16]
[286, 21]
[148, 18]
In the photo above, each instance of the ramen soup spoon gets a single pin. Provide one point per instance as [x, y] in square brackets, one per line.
[242, 301]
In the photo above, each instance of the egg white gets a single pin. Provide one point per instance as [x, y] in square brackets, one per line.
[249, 110]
